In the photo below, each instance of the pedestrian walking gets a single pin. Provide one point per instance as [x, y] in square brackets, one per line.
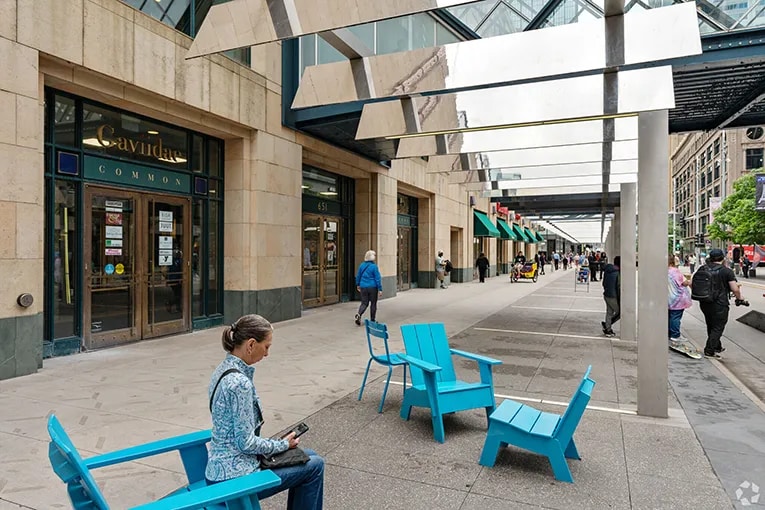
[711, 286]
[679, 301]
[556, 259]
[593, 262]
[542, 261]
[565, 262]
[441, 268]
[612, 285]
[482, 264]
[745, 265]
[369, 285]
[602, 263]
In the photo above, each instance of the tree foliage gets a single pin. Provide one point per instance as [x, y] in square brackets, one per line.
[736, 220]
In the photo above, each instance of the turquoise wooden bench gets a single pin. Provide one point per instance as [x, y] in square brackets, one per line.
[546, 434]
[434, 383]
[74, 471]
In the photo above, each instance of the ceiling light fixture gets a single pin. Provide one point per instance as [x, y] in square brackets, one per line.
[153, 131]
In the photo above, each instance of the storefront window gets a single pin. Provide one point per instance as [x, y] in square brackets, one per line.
[197, 249]
[64, 121]
[214, 160]
[65, 262]
[197, 154]
[320, 184]
[112, 133]
[213, 278]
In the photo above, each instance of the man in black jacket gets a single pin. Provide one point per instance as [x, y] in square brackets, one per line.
[611, 292]
[716, 312]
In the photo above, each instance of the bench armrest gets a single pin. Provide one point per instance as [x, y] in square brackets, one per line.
[423, 365]
[476, 357]
[149, 449]
[219, 493]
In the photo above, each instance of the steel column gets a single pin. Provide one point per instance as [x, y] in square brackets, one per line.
[653, 202]
[628, 200]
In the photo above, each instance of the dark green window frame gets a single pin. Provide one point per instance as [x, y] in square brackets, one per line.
[69, 344]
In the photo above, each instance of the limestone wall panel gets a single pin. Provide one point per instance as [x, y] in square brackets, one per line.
[18, 69]
[236, 271]
[274, 209]
[8, 230]
[267, 61]
[192, 80]
[274, 116]
[8, 19]
[252, 104]
[29, 234]
[224, 92]
[29, 122]
[237, 172]
[279, 272]
[8, 116]
[52, 26]
[108, 42]
[154, 62]
[21, 174]
[237, 206]
[20, 276]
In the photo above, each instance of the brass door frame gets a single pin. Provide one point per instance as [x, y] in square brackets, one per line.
[404, 258]
[141, 328]
[149, 329]
[319, 269]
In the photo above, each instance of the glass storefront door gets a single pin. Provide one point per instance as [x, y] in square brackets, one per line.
[321, 260]
[404, 258]
[136, 266]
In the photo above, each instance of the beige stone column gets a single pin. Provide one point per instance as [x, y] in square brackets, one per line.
[263, 233]
[426, 242]
[21, 202]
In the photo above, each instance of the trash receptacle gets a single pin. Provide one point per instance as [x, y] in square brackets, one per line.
[752, 273]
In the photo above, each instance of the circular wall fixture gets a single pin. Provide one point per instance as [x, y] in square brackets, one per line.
[25, 300]
[754, 133]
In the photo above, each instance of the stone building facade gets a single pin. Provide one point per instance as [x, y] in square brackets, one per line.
[144, 194]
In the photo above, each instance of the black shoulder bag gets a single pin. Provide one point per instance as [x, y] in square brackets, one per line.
[291, 457]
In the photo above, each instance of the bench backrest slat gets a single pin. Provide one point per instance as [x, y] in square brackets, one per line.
[376, 330]
[570, 419]
[69, 466]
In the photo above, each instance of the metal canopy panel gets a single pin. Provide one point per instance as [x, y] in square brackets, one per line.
[552, 190]
[243, 23]
[552, 135]
[531, 158]
[649, 36]
[543, 203]
[580, 98]
[569, 182]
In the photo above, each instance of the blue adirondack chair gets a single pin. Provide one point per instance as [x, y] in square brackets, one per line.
[390, 360]
[546, 434]
[74, 471]
[434, 383]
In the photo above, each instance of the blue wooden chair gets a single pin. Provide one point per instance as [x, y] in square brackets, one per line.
[546, 434]
[74, 471]
[434, 383]
[390, 360]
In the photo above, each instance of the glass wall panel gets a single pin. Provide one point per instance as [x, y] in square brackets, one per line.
[423, 31]
[214, 158]
[392, 36]
[444, 35]
[366, 33]
[307, 51]
[65, 239]
[328, 54]
[64, 122]
[197, 249]
[214, 279]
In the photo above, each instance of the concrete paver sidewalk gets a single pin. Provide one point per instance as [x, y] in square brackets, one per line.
[545, 334]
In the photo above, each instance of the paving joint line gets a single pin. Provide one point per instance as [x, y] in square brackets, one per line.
[562, 335]
[535, 400]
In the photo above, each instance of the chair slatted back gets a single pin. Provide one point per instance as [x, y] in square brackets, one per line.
[570, 419]
[429, 342]
[69, 466]
[377, 330]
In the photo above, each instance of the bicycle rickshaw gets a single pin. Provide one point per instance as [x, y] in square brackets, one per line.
[527, 272]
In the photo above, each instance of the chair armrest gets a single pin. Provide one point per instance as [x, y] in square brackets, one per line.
[476, 357]
[222, 492]
[423, 365]
[149, 449]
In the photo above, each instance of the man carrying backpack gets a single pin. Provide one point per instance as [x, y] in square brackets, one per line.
[710, 286]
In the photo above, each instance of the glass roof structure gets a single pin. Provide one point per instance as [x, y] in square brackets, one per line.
[499, 17]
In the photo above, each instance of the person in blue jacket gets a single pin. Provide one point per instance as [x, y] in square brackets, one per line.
[369, 285]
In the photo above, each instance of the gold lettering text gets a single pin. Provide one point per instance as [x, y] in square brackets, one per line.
[165, 180]
[118, 172]
[177, 181]
[100, 135]
[150, 177]
[101, 169]
[135, 174]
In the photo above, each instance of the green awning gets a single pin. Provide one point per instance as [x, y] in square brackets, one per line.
[539, 237]
[482, 225]
[519, 234]
[505, 231]
[530, 235]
